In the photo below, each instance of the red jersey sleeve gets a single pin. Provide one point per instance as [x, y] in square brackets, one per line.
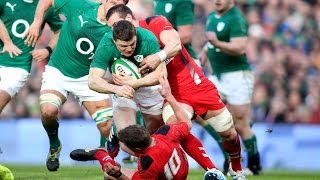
[178, 131]
[156, 24]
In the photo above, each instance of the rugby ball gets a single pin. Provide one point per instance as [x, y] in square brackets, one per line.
[125, 66]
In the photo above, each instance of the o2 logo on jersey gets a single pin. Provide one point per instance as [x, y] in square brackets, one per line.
[16, 24]
[80, 41]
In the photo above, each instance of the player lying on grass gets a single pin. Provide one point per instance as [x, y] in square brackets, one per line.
[159, 155]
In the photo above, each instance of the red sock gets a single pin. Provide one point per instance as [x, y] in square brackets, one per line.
[234, 151]
[103, 158]
[194, 148]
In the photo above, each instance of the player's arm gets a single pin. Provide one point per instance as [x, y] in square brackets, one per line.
[168, 36]
[203, 54]
[34, 31]
[41, 54]
[180, 113]
[8, 45]
[236, 46]
[97, 83]
[238, 37]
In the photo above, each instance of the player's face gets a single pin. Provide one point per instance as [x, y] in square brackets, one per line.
[126, 47]
[222, 5]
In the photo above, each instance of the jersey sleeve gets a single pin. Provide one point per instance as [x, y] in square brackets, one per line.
[66, 7]
[239, 28]
[53, 20]
[159, 24]
[184, 13]
[179, 131]
[146, 169]
[104, 54]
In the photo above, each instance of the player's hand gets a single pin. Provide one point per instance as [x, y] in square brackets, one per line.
[125, 91]
[32, 35]
[113, 170]
[40, 54]
[212, 37]
[123, 79]
[150, 62]
[12, 49]
[165, 90]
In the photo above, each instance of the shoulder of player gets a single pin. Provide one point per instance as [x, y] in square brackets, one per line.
[145, 34]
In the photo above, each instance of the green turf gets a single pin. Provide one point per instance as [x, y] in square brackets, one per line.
[94, 173]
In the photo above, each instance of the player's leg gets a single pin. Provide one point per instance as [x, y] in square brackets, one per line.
[11, 81]
[218, 139]
[191, 145]
[53, 95]
[239, 104]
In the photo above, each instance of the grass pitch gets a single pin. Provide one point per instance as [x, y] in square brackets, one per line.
[25, 172]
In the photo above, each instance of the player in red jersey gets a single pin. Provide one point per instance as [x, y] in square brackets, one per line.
[195, 93]
[159, 155]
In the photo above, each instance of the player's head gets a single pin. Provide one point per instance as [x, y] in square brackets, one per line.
[222, 6]
[135, 137]
[107, 4]
[119, 12]
[125, 37]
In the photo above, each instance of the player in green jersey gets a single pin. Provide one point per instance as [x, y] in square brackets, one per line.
[227, 32]
[133, 44]
[16, 57]
[68, 68]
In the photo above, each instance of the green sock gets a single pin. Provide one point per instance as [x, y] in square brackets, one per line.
[52, 131]
[139, 119]
[217, 137]
[251, 145]
[103, 141]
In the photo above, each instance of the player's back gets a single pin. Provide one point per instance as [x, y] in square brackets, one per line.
[165, 159]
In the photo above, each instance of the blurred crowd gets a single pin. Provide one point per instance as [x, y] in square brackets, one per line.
[283, 49]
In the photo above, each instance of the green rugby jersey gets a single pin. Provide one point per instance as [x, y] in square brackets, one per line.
[17, 16]
[230, 25]
[79, 37]
[107, 51]
[179, 13]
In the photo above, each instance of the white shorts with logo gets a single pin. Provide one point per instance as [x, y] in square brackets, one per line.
[146, 99]
[236, 87]
[12, 79]
[53, 79]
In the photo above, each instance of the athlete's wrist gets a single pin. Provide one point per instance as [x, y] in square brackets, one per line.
[49, 49]
[162, 55]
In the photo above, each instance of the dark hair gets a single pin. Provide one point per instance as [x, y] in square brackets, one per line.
[121, 9]
[125, 1]
[123, 30]
[135, 136]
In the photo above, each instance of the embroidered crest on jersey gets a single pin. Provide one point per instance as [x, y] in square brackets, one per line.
[138, 58]
[11, 6]
[168, 7]
[220, 26]
[81, 20]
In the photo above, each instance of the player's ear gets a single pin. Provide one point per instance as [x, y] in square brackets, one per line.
[128, 18]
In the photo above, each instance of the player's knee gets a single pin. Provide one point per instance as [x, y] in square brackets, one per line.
[104, 128]
[102, 115]
[221, 122]
[169, 116]
[50, 99]
[49, 105]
